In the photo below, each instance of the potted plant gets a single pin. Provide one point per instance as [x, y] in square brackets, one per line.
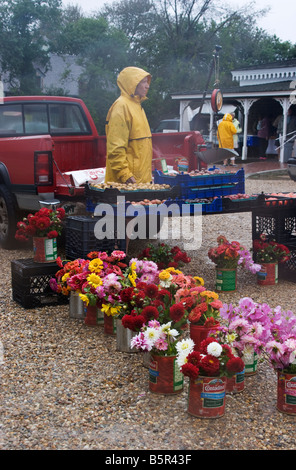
[249, 327]
[164, 320]
[43, 227]
[269, 254]
[165, 255]
[227, 256]
[203, 307]
[280, 349]
[207, 369]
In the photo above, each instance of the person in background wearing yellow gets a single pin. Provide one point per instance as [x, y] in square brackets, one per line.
[226, 131]
[128, 134]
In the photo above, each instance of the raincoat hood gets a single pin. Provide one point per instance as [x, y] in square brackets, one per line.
[227, 117]
[129, 78]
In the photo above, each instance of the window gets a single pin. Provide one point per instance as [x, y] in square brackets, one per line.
[42, 118]
[11, 120]
[35, 116]
[67, 119]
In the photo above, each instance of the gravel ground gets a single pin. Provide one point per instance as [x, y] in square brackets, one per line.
[65, 387]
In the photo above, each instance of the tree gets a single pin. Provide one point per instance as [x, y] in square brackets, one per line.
[23, 43]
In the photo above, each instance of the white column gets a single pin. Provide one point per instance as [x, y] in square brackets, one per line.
[246, 103]
[285, 105]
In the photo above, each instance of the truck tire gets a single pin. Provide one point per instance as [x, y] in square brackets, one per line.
[7, 219]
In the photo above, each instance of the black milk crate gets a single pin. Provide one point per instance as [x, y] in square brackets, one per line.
[277, 222]
[30, 283]
[287, 270]
[81, 239]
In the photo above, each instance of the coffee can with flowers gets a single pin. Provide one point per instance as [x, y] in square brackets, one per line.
[207, 370]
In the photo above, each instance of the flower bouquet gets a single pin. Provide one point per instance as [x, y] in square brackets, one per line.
[247, 329]
[165, 312]
[281, 352]
[165, 256]
[281, 346]
[44, 223]
[213, 359]
[269, 251]
[208, 369]
[230, 255]
[202, 307]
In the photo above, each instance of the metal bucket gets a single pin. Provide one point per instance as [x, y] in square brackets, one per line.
[123, 338]
[76, 306]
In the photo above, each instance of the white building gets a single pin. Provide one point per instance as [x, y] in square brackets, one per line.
[261, 89]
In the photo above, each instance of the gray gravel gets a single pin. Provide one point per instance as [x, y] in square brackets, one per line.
[65, 387]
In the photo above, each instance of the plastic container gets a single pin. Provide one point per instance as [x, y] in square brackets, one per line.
[30, 283]
[81, 239]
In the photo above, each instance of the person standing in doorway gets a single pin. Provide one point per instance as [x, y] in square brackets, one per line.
[263, 133]
[226, 131]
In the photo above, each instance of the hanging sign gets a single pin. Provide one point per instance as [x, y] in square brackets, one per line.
[216, 100]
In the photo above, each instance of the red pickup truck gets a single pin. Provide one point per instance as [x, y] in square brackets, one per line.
[45, 138]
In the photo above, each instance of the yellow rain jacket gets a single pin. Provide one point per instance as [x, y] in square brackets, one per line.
[129, 140]
[226, 131]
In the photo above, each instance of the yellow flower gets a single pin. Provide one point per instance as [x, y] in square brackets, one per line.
[110, 309]
[84, 298]
[132, 280]
[199, 280]
[164, 275]
[173, 270]
[65, 277]
[209, 294]
[230, 337]
[95, 265]
[133, 270]
[94, 280]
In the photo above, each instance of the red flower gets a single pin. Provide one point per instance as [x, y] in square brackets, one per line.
[236, 364]
[194, 358]
[149, 313]
[210, 365]
[177, 312]
[227, 350]
[133, 323]
[189, 370]
[52, 234]
[126, 295]
[43, 223]
[151, 290]
[61, 212]
[194, 315]
[164, 292]
[139, 298]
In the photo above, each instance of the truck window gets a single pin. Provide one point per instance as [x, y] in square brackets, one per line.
[67, 119]
[36, 121]
[11, 120]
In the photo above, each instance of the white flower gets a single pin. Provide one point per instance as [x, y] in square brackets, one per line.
[152, 334]
[182, 358]
[166, 326]
[173, 332]
[214, 349]
[185, 345]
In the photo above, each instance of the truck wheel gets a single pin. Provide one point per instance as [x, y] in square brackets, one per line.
[7, 218]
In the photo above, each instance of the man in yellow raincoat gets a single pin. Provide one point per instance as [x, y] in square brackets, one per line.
[226, 131]
[129, 140]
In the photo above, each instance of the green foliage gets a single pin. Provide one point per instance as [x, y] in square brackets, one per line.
[23, 44]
